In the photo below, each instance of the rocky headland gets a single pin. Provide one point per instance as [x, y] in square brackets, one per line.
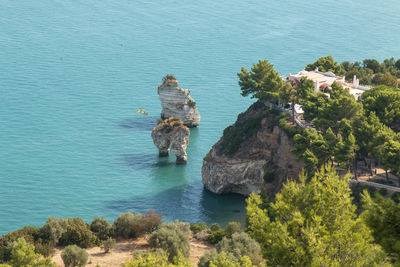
[177, 102]
[171, 134]
[252, 154]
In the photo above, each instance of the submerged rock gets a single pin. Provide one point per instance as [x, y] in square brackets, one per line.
[176, 102]
[171, 134]
[253, 153]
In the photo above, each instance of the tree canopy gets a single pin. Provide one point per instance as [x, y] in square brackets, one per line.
[313, 224]
[261, 82]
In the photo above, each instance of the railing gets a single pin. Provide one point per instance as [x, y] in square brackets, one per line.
[388, 187]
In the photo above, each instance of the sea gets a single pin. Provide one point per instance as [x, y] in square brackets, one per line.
[73, 73]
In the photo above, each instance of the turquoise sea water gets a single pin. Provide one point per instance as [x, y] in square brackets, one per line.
[73, 73]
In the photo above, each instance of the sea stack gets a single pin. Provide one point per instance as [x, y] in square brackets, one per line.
[176, 102]
[171, 134]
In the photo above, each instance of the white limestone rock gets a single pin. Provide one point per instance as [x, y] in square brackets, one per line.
[176, 102]
[172, 135]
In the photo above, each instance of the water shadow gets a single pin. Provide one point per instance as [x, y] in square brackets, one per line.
[149, 161]
[189, 203]
[140, 123]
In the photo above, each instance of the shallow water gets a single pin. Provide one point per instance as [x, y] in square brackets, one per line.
[73, 74]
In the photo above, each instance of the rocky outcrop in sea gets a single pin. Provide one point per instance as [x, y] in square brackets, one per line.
[253, 153]
[177, 102]
[171, 134]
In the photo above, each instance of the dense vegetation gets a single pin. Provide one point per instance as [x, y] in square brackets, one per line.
[369, 71]
[345, 130]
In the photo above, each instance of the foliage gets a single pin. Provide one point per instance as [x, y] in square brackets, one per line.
[223, 260]
[384, 101]
[385, 79]
[261, 82]
[314, 224]
[169, 124]
[77, 233]
[241, 244]
[172, 237]
[30, 234]
[102, 228]
[129, 225]
[74, 256]
[232, 228]
[216, 236]
[53, 229]
[382, 216]
[215, 227]
[198, 227]
[168, 77]
[23, 255]
[158, 258]
[108, 245]
[325, 64]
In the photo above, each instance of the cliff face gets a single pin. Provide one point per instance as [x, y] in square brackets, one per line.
[176, 102]
[172, 135]
[254, 153]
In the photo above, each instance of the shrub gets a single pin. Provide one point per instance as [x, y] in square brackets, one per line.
[78, 233]
[53, 229]
[215, 227]
[102, 228]
[151, 221]
[208, 257]
[216, 236]
[158, 258]
[168, 77]
[172, 237]
[74, 256]
[197, 228]
[23, 254]
[128, 225]
[108, 245]
[241, 244]
[44, 248]
[231, 228]
[223, 260]
[203, 235]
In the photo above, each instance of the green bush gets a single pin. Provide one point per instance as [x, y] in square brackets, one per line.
[241, 244]
[157, 258]
[151, 221]
[53, 229]
[23, 255]
[78, 233]
[216, 236]
[108, 245]
[102, 228]
[128, 225]
[224, 260]
[231, 228]
[215, 227]
[198, 227]
[74, 256]
[30, 234]
[172, 237]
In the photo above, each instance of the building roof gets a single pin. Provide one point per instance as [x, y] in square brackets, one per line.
[317, 76]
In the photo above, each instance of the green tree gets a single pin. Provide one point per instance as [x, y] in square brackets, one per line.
[383, 216]
[314, 224]
[326, 64]
[384, 101]
[102, 228]
[372, 64]
[23, 255]
[261, 82]
[385, 78]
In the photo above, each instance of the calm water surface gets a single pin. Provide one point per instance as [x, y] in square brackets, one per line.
[73, 73]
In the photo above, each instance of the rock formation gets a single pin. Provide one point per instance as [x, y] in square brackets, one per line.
[171, 134]
[253, 153]
[176, 102]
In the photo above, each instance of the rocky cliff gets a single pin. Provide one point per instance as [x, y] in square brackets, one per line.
[176, 102]
[253, 153]
[171, 134]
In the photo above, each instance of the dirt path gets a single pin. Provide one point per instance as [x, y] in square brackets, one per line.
[123, 252]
